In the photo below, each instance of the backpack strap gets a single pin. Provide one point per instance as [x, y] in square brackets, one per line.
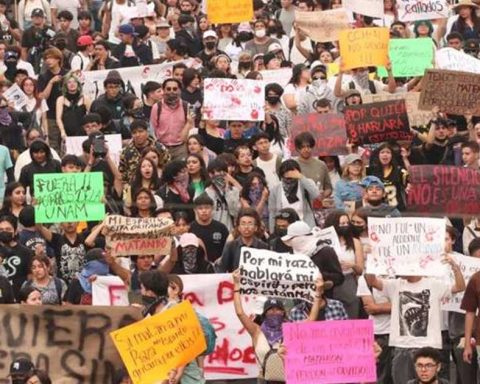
[58, 287]
[184, 106]
[472, 232]
[371, 87]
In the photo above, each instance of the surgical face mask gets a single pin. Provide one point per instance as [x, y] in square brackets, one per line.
[319, 82]
[260, 33]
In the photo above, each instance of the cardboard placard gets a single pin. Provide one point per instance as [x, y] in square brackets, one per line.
[377, 122]
[444, 190]
[273, 274]
[422, 10]
[138, 236]
[364, 47]
[329, 352]
[415, 116]
[406, 246]
[328, 130]
[229, 11]
[70, 343]
[68, 197]
[323, 26]
[453, 60]
[151, 348]
[409, 57]
[372, 8]
[228, 99]
[453, 91]
[468, 266]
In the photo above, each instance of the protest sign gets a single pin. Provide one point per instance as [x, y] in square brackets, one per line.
[74, 146]
[322, 26]
[15, 95]
[109, 290]
[133, 77]
[468, 266]
[280, 76]
[229, 11]
[68, 197]
[212, 296]
[377, 122]
[70, 343]
[444, 190]
[152, 347]
[454, 60]
[415, 116]
[138, 236]
[327, 129]
[273, 274]
[452, 91]
[364, 47]
[408, 246]
[332, 70]
[372, 8]
[409, 10]
[228, 99]
[327, 236]
[409, 57]
[329, 352]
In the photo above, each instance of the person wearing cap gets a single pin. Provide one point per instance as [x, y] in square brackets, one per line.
[210, 42]
[102, 59]
[283, 219]
[131, 52]
[36, 36]
[25, 8]
[187, 36]
[10, 30]
[318, 90]
[161, 37]
[467, 23]
[81, 61]
[374, 198]
[348, 191]
[190, 256]
[261, 41]
[271, 61]
[212, 232]
[296, 88]
[20, 370]
[112, 14]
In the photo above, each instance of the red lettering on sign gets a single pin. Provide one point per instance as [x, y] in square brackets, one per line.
[225, 292]
[193, 299]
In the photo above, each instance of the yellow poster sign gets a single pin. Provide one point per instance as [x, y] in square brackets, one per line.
[364, 47]
[151, 348]
[229, 11]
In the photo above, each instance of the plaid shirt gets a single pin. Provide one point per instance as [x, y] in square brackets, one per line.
[334, 310]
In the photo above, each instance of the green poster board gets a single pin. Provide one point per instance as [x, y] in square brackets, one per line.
[68, 197]
[409, 57]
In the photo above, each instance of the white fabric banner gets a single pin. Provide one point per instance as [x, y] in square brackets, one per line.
[74, 145]
[228, 99]
[450, 58]
[372, 8]
[408, 246]
[280, 76]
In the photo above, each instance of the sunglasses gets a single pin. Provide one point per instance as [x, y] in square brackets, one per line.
[169, 89]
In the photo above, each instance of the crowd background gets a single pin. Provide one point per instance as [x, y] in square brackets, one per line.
[225, 184]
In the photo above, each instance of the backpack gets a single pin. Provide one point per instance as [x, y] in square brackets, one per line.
[81, 60]
[209, 333]
[58, 288]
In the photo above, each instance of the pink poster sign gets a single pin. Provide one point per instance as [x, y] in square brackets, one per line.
[329, 352]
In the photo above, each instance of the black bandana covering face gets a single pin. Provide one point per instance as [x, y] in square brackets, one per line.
[290, 188]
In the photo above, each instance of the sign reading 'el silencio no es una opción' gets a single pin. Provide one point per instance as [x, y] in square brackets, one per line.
[377, 122]
[68, 197]
[445, 190]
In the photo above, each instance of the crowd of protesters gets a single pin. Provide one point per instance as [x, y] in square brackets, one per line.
[226, 184]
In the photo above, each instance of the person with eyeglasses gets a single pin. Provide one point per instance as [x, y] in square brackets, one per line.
[427, 366]
[317, 90]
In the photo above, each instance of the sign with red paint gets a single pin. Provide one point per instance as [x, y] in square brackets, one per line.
[328, 129]
[109, 290]
[377, 122]
[445, 190]
[229, 99]
[211, 296]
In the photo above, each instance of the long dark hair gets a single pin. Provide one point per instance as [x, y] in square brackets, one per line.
[203, 167]
[462, 25]
[7, 202]
[333, 219]
[152, 208]
[247, 185]
[138, 178]
[376, 167]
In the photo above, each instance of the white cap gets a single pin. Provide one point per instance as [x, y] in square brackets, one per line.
[274, 47]
[209, 33]
[188, 239]
[298, 228]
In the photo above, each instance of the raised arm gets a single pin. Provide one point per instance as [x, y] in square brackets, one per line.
[252, 328]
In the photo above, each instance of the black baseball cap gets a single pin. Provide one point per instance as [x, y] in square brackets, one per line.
[38, 12]
[21, 366]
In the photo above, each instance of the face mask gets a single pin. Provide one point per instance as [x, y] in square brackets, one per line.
[260, 33]
[219, 182]
[255, 193]
[303, 244]
[357, 230]
[343, 230]
[189, 257]
[210, 45]
[244, 65]
[273, 321]
[137, 113]
[273, 99]
[280, 232]
[171, 99]
[6, 237]
[319, 82]
[271, 30]
[245, 36]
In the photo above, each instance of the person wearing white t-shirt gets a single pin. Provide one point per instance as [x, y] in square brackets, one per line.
[416, 319]
[268, 162]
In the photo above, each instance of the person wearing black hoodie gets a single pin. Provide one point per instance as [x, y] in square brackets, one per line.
[42, 162]
[113, 96]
